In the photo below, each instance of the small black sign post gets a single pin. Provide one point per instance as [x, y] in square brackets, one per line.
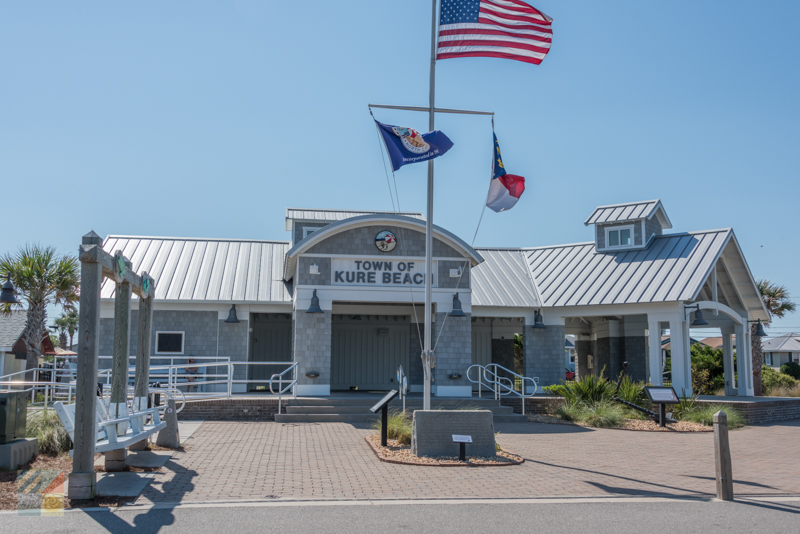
[462, 446]
[662, 395]
[383, 406]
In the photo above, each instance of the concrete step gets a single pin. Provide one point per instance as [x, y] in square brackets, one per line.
[496, 410]
[512, 418]
[325, 418]
[456, 402]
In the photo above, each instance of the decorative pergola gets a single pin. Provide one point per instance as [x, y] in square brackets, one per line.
[96, 264]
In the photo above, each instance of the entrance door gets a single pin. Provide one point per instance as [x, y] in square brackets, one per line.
[366, 350]
[271, 341]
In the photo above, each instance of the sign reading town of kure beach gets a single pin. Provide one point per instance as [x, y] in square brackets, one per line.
[379, 272]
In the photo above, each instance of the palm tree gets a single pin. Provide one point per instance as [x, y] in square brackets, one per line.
[42, 277]
[67, 325]
[776, 300]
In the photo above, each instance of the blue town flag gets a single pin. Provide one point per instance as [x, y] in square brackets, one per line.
[406, 145]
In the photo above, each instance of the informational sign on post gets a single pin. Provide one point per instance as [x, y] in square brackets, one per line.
[662, 395]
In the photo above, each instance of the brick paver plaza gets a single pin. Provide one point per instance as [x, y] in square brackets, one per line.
[240, 461]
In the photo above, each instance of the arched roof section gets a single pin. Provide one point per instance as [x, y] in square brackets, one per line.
[333, 229]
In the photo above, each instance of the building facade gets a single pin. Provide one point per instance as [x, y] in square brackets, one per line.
[343, 299]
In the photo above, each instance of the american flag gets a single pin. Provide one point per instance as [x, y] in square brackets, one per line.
[509, 29]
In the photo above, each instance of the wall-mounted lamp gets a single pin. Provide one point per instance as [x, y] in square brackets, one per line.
[537, 320]
[698, 315]
[7, 295]
[232, 315]
[456, 311]
[314, 308]
[759, 329]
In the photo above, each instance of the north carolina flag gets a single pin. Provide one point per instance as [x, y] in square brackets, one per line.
[505, 189]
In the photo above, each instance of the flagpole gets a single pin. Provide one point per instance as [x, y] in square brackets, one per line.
[427, 350]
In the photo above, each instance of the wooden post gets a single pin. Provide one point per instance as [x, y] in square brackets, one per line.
[121, 356]
[142, 379]
[722, 456]
[83, 481]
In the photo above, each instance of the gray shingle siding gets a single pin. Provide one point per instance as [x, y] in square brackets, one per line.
[297, 236]
[453, 349]
[600, 232]
[652, 226]
[361, 242]
[444, 280]
[312, 346]
[321, 279]
[544, 353]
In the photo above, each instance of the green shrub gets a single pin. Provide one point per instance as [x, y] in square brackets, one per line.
[631, 391]
[570, 412]
[47, 428]
[792, 369]
[704, 414]
[770, 379]
[604, 414]
[399, 427]
[587, 390]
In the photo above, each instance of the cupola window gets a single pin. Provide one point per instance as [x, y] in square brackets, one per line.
[619, 236]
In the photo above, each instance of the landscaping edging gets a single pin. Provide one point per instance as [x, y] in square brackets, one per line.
[383, 458]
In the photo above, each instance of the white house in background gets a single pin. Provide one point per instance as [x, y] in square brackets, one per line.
[780, 350]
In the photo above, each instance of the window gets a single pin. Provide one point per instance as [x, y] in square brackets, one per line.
[169, 342]
[768, 358]
[308, 230]
[619, 236]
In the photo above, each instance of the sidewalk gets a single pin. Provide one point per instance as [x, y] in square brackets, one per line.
[227, 461]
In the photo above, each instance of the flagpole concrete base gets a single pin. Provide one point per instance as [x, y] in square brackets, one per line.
[82, 486]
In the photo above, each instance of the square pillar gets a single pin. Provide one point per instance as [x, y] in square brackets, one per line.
[142, 380]
[681, 380]
[312, 351]
[655, 369]
[453, 355]
[121, 353]
[544, 351]
[83, 480]
[744, 360]
[727, 362]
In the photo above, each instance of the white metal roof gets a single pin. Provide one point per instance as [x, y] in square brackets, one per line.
[784, 343]
[503, 280]
[206, 270]
[302, 214]
[673, 268]
[628, 212]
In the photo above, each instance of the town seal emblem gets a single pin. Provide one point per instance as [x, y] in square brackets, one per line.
[412, 140]
[385, 241]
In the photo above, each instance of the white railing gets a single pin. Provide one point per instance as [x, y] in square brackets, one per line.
[174, 377]
[500, 385]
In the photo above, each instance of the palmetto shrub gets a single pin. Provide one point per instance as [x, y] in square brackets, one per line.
[771, 380]
[399, 427]
[632, 391]
[587, 390]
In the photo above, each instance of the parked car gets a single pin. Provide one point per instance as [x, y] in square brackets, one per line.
[570, 374]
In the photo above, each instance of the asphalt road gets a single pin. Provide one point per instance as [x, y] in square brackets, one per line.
[774, 516]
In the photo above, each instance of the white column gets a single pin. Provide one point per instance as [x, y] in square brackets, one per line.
[655, 369]
[727, 361]
[744, 360]
[687, 356]
[680, 381]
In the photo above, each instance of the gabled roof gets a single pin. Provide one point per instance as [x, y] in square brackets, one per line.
[784, 343]
[309, 215]
[11, 327]
[673, 268]
[503, 280]
[206, 270]
[630, 211]
[365, 220]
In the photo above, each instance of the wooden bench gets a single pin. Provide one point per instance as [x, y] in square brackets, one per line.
[107, 438]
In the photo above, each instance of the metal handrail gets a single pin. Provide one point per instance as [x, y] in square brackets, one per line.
[402, 385]
[292, 383]
[502, 385]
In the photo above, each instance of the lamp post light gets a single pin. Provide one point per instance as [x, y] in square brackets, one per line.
[8, 294]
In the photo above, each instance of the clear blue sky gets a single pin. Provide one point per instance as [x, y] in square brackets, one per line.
[209, 118]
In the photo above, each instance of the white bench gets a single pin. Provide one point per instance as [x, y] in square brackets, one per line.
[107, 438]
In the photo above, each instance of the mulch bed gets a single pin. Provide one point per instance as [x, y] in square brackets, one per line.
[396, 453]
[640, 425]
[8, 481]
